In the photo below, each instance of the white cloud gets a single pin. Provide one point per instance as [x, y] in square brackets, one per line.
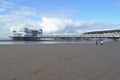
[53, 25]
[67, 26]
[24, 11]
[2, 9]
[28, 17]
[5, 5]
[10, 21]
[58, 13]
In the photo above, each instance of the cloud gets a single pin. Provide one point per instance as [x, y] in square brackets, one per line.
[58, 13]
[30, 18]
[2, 9]
[15, 21]
[68, 26]
[54, 25]
[24, 11]
[4, 5]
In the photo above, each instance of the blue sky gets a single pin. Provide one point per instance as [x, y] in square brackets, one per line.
[103, 10]
[60, 16]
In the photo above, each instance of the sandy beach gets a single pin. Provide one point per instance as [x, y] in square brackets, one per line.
[60, 62]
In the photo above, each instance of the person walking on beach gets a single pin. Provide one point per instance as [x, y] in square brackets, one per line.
[96, 42]
[101, 42]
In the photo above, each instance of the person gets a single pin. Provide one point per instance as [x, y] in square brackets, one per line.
[96, 42]
[101, 42]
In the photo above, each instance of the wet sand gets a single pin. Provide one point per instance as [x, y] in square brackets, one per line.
[60, 62]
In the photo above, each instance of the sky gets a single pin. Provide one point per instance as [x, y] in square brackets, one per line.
[59, 16]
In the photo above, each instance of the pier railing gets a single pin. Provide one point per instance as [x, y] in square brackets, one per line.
[67, 37]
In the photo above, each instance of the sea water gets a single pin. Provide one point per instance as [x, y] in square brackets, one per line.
[6, 41]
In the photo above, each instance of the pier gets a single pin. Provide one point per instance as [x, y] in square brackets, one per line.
[69, 37]
[32, 35]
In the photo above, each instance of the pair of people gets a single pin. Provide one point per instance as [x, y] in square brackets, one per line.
[101, 42]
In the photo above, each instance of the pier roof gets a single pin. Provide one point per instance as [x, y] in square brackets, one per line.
[101, 32]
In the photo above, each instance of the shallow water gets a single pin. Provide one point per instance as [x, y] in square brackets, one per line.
[6, 41]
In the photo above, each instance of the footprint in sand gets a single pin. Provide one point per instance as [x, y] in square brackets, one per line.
[37, 72]
[9, 69]
[61, 59]
[41, 70]
[15, 78]
[65, 59]
[33, 74]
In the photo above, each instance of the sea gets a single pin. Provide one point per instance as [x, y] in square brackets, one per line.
[9, 41]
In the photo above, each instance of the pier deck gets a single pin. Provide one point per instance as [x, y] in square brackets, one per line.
[67, 37]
